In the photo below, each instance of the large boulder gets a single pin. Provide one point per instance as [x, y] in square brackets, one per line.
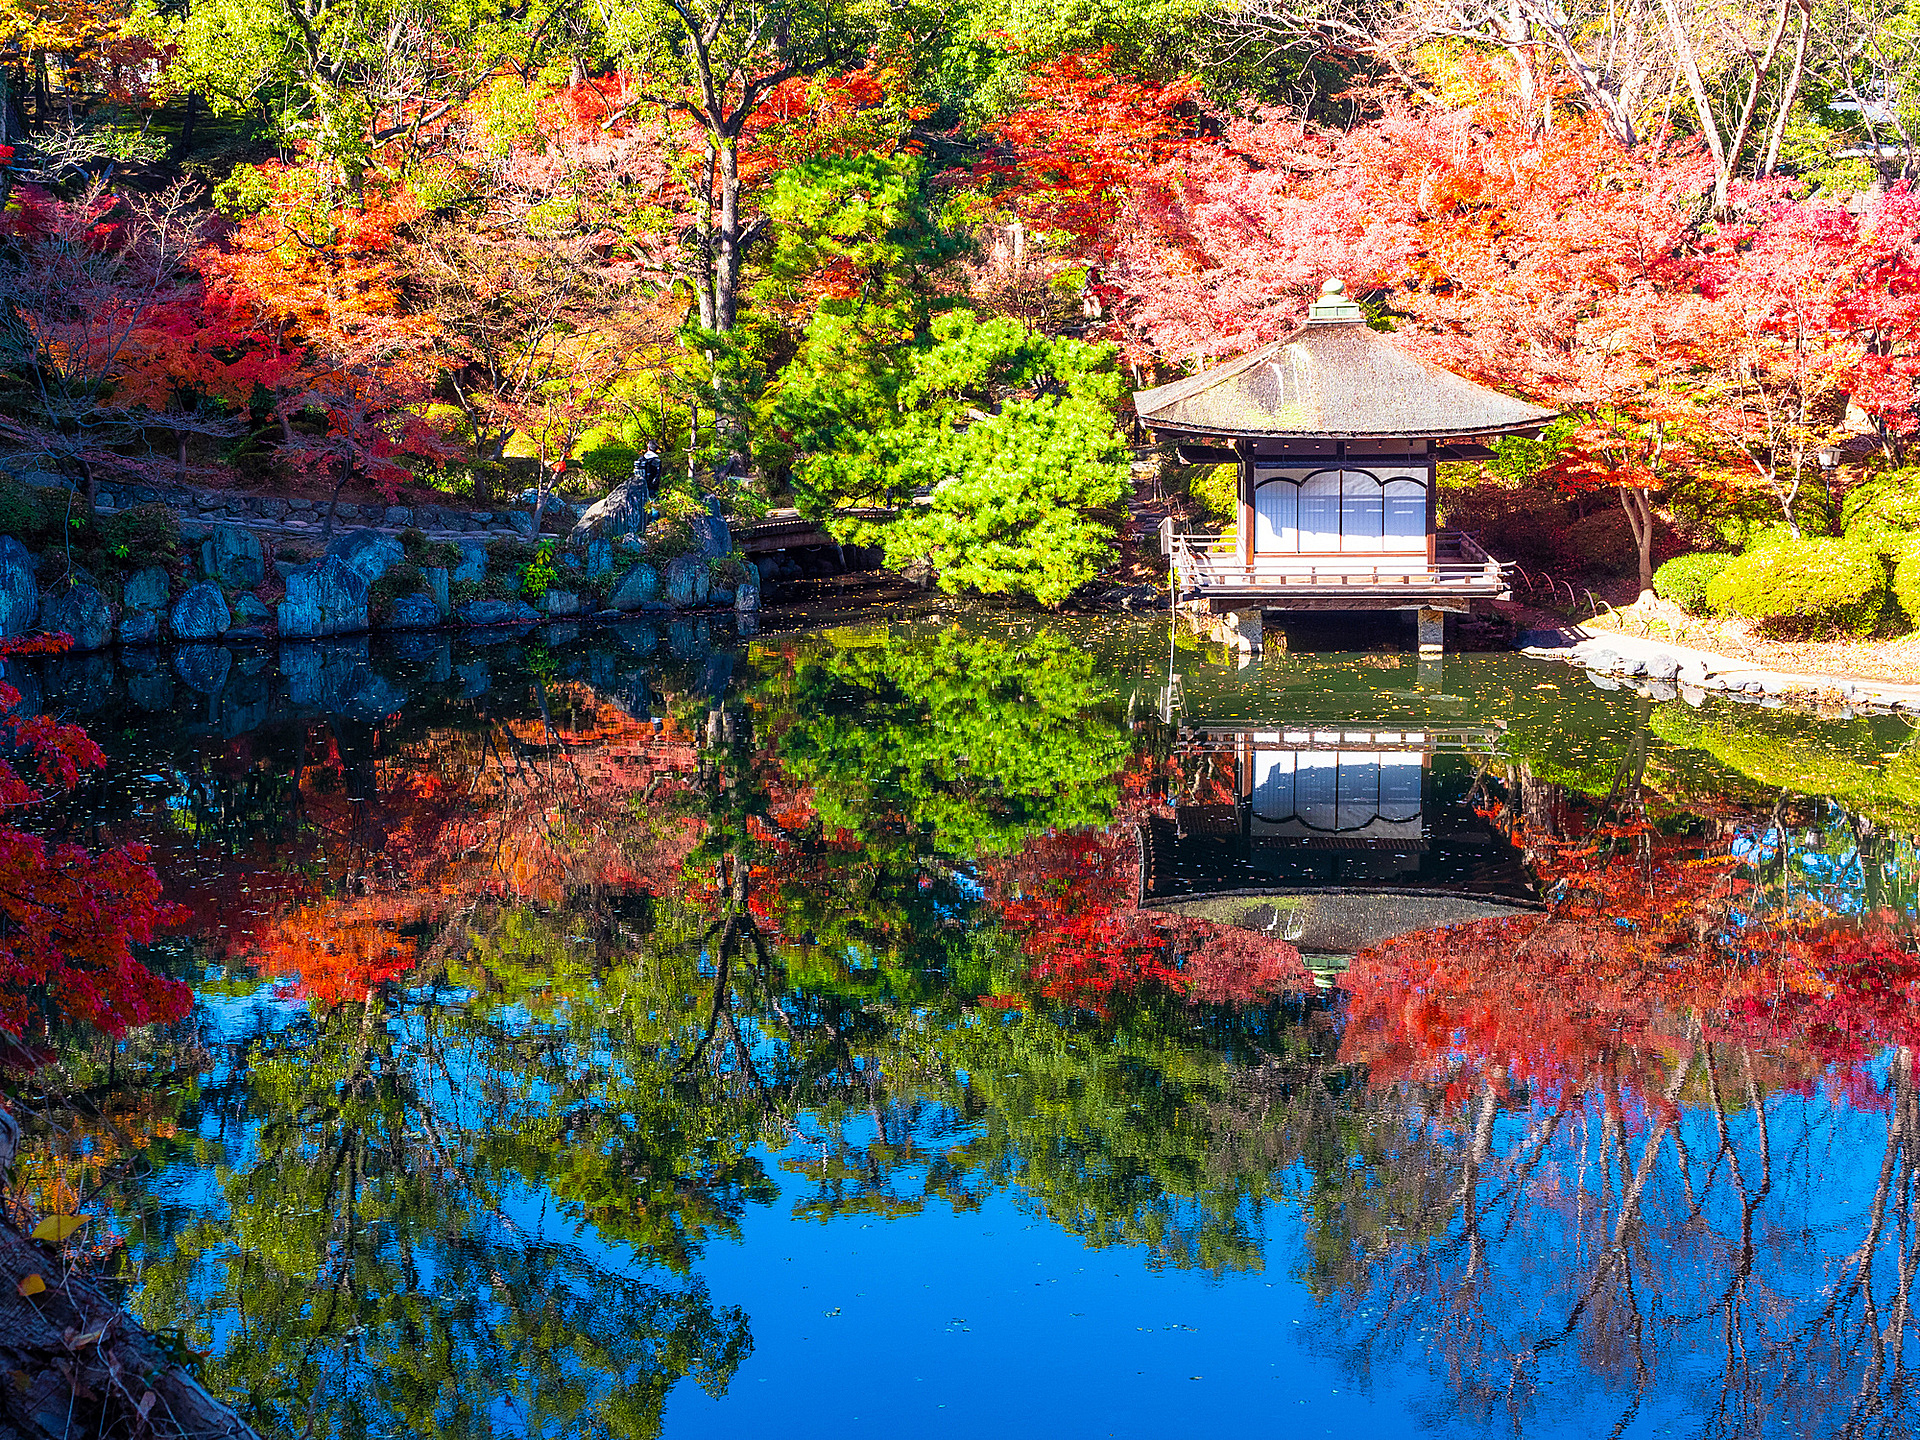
[485, 612]
[562, 602]
[82, 612]
[368, 553]
[204, 667]
[687, 581]
[413, 612]
[624, 512]
[472, 568]
[251, 611]
[437, 586]
[640, 589]
[146, 589]
[233, 557]
[599, 557]
[139, 627]
[328, 597]
[746, 598]
[201, 613]
[712, 531]
[19, 591]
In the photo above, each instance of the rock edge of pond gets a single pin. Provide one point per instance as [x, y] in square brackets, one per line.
[1664, 672]
[72, 1362]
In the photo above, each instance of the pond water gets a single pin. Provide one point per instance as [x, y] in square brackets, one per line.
[955, 1026]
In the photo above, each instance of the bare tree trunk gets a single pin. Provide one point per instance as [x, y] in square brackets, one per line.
[1726, 148]
[1789, 93]
[1638, 504]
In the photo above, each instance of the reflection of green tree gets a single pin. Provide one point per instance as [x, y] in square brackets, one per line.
[1105, 1129]
[1870, 767]
[366, 1270]
[972, 740]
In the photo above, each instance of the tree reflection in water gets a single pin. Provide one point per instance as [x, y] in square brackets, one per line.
[857, 931]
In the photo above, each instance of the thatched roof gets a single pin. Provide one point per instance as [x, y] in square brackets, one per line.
[1334, 379]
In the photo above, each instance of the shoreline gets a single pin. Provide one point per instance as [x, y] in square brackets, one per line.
[1666, 671]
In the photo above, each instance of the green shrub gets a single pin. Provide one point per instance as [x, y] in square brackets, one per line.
[1762, 537]
[1684, 579]
[670, 537]
[1527, 525]
[428, 554]
[1600, 541]
[607, 457]
[1906, 587]
[1892, 546]
[1216, 489]
[24, 512]
[1884, 515]
[145, 535]
[402, 578]
[541, 574]
[1817, 581]
[1889, 499]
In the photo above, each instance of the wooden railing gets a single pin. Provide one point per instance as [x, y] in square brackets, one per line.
[1206, 563]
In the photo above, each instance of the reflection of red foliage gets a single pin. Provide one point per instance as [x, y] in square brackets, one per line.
[341, 951]
[1652, 948]
[1073, 907]
[1231, 966]
[69, 917]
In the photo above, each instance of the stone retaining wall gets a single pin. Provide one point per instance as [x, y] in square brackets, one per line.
[299, 515]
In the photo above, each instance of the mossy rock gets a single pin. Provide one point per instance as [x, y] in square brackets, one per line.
[1813, 581]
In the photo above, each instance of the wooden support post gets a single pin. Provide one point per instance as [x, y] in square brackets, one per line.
[1243, 451]
[1244, 630]
[1433, 632]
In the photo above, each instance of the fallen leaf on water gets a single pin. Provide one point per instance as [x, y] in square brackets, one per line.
[56, 1228]
[32, 1285]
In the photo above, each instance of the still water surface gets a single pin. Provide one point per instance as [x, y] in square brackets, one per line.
[955, 1027]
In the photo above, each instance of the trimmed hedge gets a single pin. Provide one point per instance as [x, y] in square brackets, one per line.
[1891, 500]
[1684, 579]
[1906, 587]
[1817, 580]
[1884, 515]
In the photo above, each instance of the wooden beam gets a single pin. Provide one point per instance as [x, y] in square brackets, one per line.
[1220, 603]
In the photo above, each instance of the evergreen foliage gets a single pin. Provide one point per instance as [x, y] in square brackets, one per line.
[994, 446]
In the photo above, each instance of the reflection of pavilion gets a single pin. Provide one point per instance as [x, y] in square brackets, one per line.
[1335, 837]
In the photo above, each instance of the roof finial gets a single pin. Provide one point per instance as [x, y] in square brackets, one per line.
[1334, 305]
